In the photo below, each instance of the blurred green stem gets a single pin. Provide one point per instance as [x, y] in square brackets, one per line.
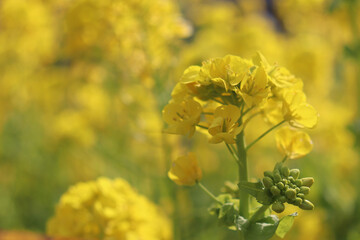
[264, 134]
[259, 213]
[208, 192]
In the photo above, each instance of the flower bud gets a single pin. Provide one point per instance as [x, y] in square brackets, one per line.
[298, 201]
[308, 182]
[282, 199]
[290, 194]
[269, 174]
[275, 191]
[285, 171]
[268, 182]
[304, 190]
[291, 179]
[278, 207]
[280, 185]
[277, 177]
[306, 205]
[298, 182]
[295, 173]
[285, 181]
[301, 195]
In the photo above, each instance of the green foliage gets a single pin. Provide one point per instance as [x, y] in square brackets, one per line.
[285, 225]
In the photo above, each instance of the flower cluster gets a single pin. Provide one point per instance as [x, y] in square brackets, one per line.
[228, 88]
[107, 209]
[222, 96]
[284, 185]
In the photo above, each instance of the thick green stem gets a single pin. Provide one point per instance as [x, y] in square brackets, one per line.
[243, 174]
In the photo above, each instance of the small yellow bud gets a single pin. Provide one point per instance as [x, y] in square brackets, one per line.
[185, 170]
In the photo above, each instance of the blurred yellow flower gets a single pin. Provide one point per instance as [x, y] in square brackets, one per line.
[107, 209]
[185, 170]
[182, 117]
[224, 126]
[293, 143]
[297, 111]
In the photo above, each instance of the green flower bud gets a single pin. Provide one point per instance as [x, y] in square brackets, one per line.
[278, 207]
[282, 199]
[290, 194]
[286, 188]
[295, 173]
[292, 185]
[304, 190]
[285, 181]
[291, 179]
[285, 171]
[298, 182]
[297, 190]
[306, 205]
[277, 177]
[275, 191]
[269, 174]
[301, 195]
[307, 182]
[268, 182]
[298, 201]
[280, 185]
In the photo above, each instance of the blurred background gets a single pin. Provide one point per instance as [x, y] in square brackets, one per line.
[83, 83]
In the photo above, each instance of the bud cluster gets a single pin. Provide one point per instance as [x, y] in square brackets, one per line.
[284, 185]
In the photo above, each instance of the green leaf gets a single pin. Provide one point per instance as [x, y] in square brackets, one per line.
[256, 190]
[251, 188]
[263, 229]
[285, 225]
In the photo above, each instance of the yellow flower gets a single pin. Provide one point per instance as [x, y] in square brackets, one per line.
[297, 111]
[293, 143]
[253, 87]
[108, 208]
[182, 117]
[224, 127]
[185, 170]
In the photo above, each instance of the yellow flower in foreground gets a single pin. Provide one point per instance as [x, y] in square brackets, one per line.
[253, 88]
[182, 117]
[107, 209]
[185, 170]
[293, 143]
[224, 127]
[297, 111]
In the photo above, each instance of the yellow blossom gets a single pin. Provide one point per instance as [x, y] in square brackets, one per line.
[297, 111]
[108, 208]
[224, 126]
[182, 117]
[293, 143]
[253, 88]
[185, 170]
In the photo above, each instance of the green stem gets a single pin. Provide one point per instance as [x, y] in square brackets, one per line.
[243, 174]
[259, 213]
[208, 192]
[284, 159]
[232, 153]
[264, 134]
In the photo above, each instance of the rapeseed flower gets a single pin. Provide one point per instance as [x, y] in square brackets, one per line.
[293, 143]
[185, 170]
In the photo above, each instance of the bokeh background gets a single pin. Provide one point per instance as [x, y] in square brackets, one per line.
[83, 83]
